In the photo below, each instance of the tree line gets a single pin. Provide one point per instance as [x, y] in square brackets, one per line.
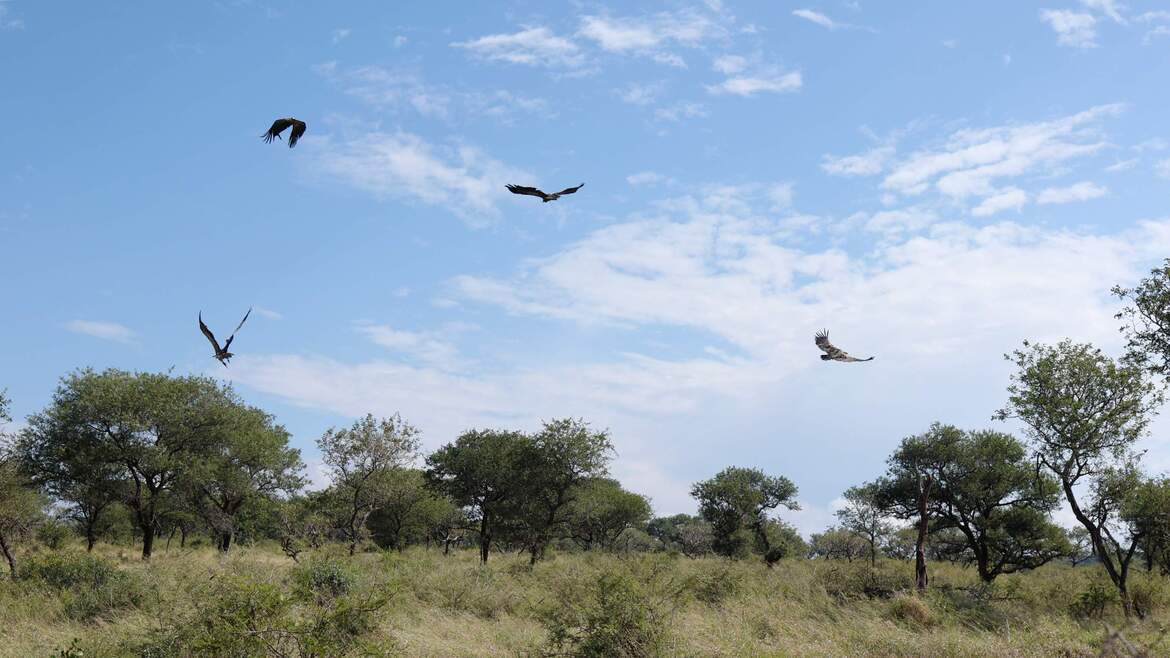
[119, 455]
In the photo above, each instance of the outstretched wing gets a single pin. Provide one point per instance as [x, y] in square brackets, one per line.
[299, 128]
[530, 191]
[278, 126]
[207, 332]
[570, 190]
[233, 336]
[834, 352]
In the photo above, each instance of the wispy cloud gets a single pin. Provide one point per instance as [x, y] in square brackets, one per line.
[402, 165]
[869, 163]
[680, 111]
[647, 178]
[267, 313]
[651, 36]
[7, 20]
[341, 34]
[1072, 28]
[750, 77]
[433, 348]
[532, 46]
[1163, 168]
[1012, 198]
[104, 330]
[830, 24]
[1082, 191]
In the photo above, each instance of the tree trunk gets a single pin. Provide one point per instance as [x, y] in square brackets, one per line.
[8, 556]
[224, 541]
[920, 578]
[485, 539]
[90, 539]
[148, 533]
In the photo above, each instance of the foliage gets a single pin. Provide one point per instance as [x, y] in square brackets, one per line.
[838, 544]
[21, 509]
[602, 511]
[362, 461]
[1147, 319]
[864, 516]
[616, 617]
[736, 503]
[89, 587]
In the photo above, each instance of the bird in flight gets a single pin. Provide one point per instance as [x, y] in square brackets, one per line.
[832, 352]
[280, 125]
[544, 196]
[221, 353]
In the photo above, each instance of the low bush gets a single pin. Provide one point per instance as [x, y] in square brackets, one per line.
[89, 587]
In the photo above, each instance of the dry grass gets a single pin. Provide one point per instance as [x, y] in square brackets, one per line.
[449, 606]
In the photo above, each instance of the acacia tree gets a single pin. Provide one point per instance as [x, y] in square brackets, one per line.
[362, 461]
[21, 507]
[1147, 319]
[565, 453]
[410, 511]
[863, 516]
[253, 462]
[148, 428]
[737, 501]
[602, 510]
[483, 471]
[1083, 412]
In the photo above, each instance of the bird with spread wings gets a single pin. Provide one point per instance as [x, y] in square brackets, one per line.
[221, 353]
[544, 196]
[832, 352]
[280, 125]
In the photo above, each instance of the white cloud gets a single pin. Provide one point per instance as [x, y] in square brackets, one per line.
[680, 111]
[267, 313]
[533, 46]
[970, 162]
[650, 36]
[1163, 168]
[104, 330]
[1012, 198]
[647, 178]
[816, 17]
[1082, 191]
[1072, 28]
[641, 94]
[869, 163]
[729, 64]
[403, 165]
[1110, 8]
[767, 80]
[430, 348]
[1122, 165]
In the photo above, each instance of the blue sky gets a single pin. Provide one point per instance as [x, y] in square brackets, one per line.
[933, 182]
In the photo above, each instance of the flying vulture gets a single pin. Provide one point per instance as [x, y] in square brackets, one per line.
[544, 196]
[832, 352]
[279, 126]
[221, 353]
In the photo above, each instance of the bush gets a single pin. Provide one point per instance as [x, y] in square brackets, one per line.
[325, 579]
[54, 534]
[718, 584]
[911, 610]
[617, 618]
[89, 587]
[1092, 601]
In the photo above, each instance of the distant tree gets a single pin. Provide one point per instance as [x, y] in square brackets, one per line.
[483, 471]
[303, 524]
[1147, 319]
[21, 507]
[1080, 545]
[602, 511]
[736, 503]
[782, 540]
[695, 538]
[838, 544]
[253, 462]
[863, 516]
[564, 454]
[1146, 510]
[362, 461]
[1083, 412]
[410, 512]
[665, 528]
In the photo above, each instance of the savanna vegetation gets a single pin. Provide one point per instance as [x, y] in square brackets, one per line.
[149, 514]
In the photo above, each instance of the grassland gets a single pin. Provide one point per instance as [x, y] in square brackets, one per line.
[422, 603]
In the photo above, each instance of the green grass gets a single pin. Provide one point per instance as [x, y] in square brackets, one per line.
[571, 604]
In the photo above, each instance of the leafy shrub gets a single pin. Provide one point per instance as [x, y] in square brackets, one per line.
[54, 534]
[617, 618]
[89, 587]
[1092, 601]
[715, 586]
[325, 579]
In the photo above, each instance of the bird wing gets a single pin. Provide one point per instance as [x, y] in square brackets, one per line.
[278, 127]
[207, 332]
[233, 336]
[299, 128]
[822, 341]
[530, 191]
[570, 190]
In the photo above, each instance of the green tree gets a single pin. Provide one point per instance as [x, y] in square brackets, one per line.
[146, 430]
[253, 463]
[988, 505]
[564, 454]
[602, 510]
[863, 516]
[362, 461]
[1147, 319]
[21, 507]
[736, 503]
[409, 512]
[1083, 412]
[838, 544]
[483, 471]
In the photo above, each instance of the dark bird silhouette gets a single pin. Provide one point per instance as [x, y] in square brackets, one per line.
[279, 126]
[832, 352]
[221, 353]
[544, 196]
